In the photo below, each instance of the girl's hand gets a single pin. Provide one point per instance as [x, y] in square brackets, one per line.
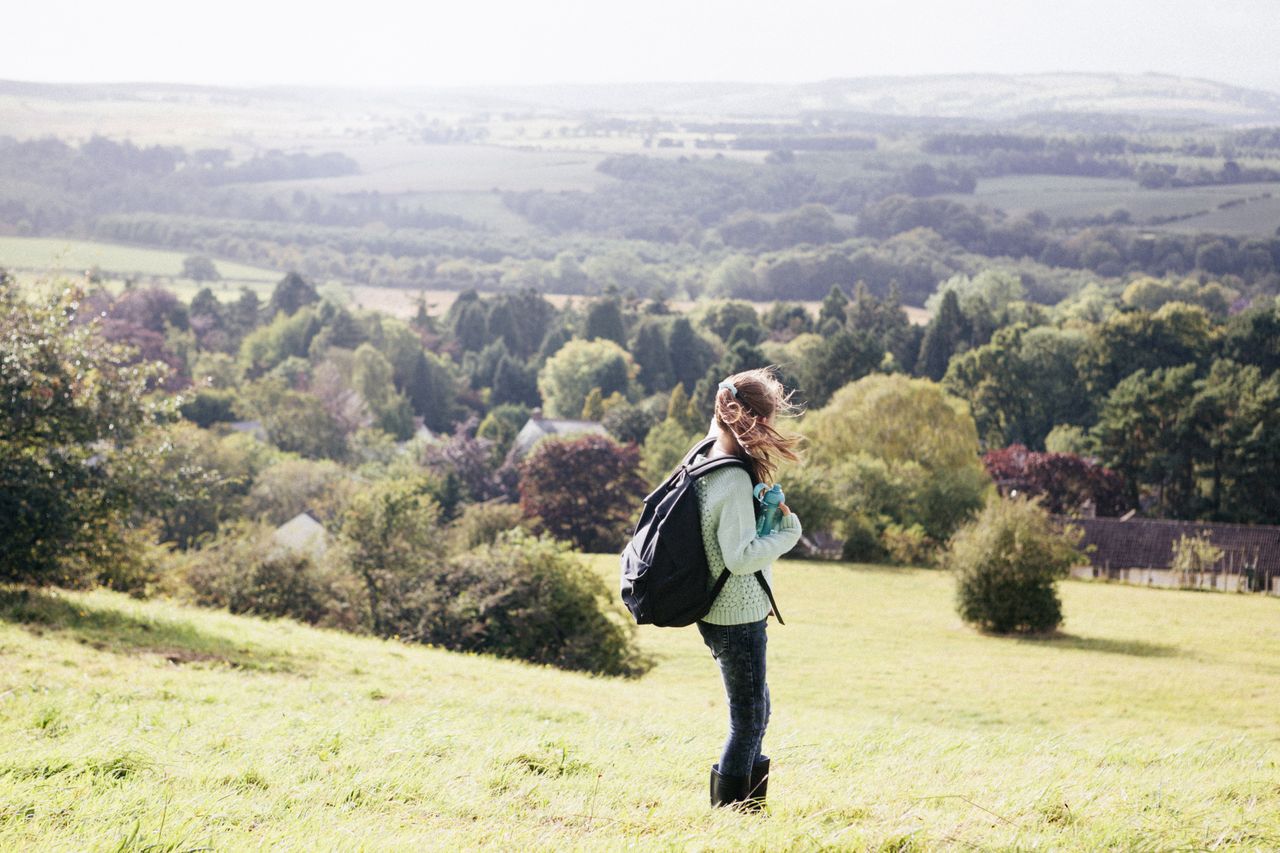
[785, 509]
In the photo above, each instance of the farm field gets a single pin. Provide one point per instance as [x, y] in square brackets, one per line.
[396, 167]
[1148, 724]
[52, 256]
[1252, 208]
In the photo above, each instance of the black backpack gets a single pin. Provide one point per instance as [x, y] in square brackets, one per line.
[664, 566]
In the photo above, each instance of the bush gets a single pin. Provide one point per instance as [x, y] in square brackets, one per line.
[861, 544]
[523, 597]
[1007, 563]
[584, 490]
[909, 546]
[480, 524]
[245, 571]
[72, 402]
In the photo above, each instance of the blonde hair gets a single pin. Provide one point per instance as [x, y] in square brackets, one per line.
[760, 397]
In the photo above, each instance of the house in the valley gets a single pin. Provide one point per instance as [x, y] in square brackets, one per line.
[538, 428]
[302, 534]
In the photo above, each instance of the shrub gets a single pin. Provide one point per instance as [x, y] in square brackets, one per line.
[1007, 563]
[393, 538]
[209, 406]
[291, 486]
[523, 597]
[480, 524]
[861, 544]
[910, 546]
[72, 401]
[245, 571]
[1194, 555]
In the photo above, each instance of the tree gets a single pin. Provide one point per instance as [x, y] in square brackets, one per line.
[947, 333]
[291, 293]
[501, 425]
[392, 530]
[72, 403]
[664, 447]
[649, 349]
[191, 486]
[1021, 383]
[372, 378]
[1235, 414]
[515, 382]
[835, 362]
[199, 268]
[690, 354]
[296, 421]
[568, 376]
[604, 321]
[1064, 482]
[722, 318]
[1177, 334]
[833, 306]
[593, 406]
[584, 490]
[1145, 434]
[291, 486]
[901, 449]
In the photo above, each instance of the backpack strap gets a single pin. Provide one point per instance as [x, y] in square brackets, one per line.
[769, 592]
[706, 466]
[701, 447]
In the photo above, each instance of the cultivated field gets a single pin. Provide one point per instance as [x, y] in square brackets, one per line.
[1149, 725]
[1237, 209]
[65, 255]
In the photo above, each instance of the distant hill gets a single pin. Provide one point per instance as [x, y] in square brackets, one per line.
[989, 97]
[975, 96]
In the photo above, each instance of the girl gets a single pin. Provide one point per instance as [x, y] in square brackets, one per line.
[734, 628]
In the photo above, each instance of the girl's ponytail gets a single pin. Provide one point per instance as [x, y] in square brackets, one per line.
[746, 404]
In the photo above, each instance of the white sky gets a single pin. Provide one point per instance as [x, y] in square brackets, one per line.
[480, 42]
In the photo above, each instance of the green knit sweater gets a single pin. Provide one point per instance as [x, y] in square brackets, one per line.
[729, 534]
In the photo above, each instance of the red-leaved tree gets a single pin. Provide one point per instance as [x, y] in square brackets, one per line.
[585, 490]
[1064, 481]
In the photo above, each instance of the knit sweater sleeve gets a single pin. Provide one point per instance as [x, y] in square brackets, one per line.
[744, 552]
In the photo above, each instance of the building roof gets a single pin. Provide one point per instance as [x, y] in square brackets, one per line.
[302, 534]
[1147, 543]
[253, 428]
[536, 429]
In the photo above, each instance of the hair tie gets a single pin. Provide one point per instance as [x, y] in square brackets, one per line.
[732, 389]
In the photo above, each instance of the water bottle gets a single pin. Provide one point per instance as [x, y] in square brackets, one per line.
[772, 498]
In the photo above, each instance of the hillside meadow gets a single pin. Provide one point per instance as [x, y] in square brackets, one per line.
[1149, 723]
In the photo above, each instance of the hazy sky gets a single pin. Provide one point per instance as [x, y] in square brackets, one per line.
[466, 42]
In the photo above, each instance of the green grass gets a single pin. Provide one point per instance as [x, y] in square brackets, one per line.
[1150, 723]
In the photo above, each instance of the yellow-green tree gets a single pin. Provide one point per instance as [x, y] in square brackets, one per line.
[568, 376]
[893, 449]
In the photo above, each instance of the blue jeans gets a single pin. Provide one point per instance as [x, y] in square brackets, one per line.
[740, 651]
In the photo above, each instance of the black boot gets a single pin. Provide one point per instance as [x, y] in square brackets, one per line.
[727, 790]
[758, 785]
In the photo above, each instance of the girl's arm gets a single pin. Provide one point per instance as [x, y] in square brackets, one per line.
[744, 552]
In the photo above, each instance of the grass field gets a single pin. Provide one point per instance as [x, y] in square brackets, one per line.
[1252, 209]
[57, 254]
[1150, 724]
